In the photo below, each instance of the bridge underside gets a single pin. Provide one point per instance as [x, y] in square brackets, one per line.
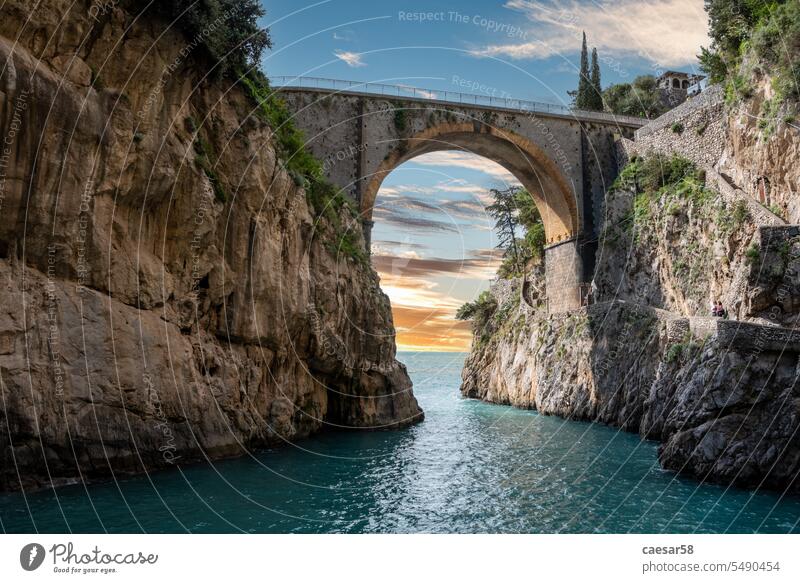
[551, 193]
[362, 138]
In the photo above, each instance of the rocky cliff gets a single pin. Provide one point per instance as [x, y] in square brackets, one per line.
[722, 395]
[761, 150]
[168, 293]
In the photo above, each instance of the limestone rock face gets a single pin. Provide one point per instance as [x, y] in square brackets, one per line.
[726, 411]
[152, 311]
[585, 365]
[735, 416]
[761, 153]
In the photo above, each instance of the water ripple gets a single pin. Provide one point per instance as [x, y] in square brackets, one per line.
[470, 467]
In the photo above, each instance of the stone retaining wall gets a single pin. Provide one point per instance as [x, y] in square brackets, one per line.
[703, 130]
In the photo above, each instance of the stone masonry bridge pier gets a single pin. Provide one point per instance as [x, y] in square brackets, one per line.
[564, 158]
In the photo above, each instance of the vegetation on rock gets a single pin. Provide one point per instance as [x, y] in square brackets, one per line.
[682, 236]
[752, 37]
[480, 312]
[515, 214]
[227, 31]
[325, 199]
[652, 173]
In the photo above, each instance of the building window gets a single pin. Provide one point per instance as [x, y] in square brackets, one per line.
[686, 85]
[676, 84]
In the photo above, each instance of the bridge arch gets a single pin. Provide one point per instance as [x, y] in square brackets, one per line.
[562, 156]
[553, 194]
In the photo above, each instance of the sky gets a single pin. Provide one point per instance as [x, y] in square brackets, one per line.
[433, 244]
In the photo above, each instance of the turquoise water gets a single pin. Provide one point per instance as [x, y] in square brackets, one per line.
[470, 467]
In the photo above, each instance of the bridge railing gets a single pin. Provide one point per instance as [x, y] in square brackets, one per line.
[451, 97]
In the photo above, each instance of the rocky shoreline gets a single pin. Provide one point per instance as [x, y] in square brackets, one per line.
[722, 400]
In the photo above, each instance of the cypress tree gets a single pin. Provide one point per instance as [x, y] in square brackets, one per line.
[582, 98]
[596, 91]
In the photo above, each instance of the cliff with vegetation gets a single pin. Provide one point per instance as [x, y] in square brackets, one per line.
[178, 283]
[705, 208]
[644, 356]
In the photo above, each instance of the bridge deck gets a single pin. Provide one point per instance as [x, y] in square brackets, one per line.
[451, 98]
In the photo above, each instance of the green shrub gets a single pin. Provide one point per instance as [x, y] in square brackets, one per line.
[776, 210]
[641, 209]
[748, 35]
[681, 352]
[658, 171]
[768, 116]
[677, 127]
[753, 254]
[628, 176]
[641, 98]
[480, 311]
[740, 214]
[701, 129]
[776, 40]
[738, 88]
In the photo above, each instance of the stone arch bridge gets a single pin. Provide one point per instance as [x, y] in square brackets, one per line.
[565, 158]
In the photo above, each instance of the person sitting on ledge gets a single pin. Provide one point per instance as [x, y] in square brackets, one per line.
[718, 311]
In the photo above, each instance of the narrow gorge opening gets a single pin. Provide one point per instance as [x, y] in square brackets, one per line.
[434, 243]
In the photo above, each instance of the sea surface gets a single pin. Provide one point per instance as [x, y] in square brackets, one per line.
[470, 467]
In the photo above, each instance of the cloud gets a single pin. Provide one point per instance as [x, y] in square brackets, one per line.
[398, 248]
[417, 92]
[479, 266]
[464, 209]
[424, 316]
[407, 205]
[468, 209]
[400, 218]
[668, 33]
[468, 161]
[452, 185]
[352, 59]
[346, 35]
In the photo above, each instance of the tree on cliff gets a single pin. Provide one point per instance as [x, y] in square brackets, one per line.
[226, 30]
[504, 211]
[515, 213]
[640, 98]
[532, 246]
[749, 37]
